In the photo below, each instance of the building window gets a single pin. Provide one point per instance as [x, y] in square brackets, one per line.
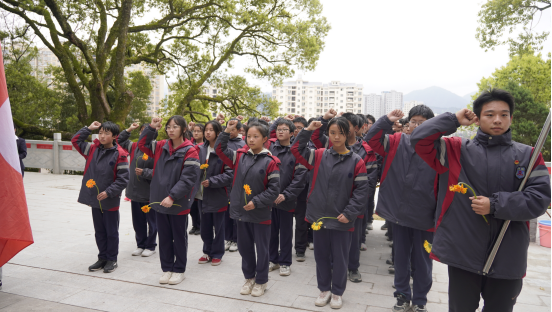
[293, 110]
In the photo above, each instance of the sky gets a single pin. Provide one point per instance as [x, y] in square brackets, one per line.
[404, 46]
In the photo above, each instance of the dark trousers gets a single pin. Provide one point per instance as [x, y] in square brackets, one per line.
[301, 228]
[310, 235]
[408, 244]
[173, 242]
[331, 253]
[213, 245]
[465, 289]
[106, 228]
[368, 219]
[251, 237]
[230, 228]
[145, 239]
[281, 235]
[354, 251]
[194, 213]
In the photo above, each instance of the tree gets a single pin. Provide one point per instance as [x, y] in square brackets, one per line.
[500, 18]
[529, 71]
[94, 40]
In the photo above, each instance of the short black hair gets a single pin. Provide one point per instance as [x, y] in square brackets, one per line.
[262, 122]
[362, 119]
[216, 126]
[200, 125]
[263, 129]
[239, 125]
[310, 120]
[143, 126]
[493, 95]
[301, 120]
[286, 122]
[179, 120]
[403, 121]
[353, 119]
[371, 118]
[421, 110]
[342, 123]
[111, 127]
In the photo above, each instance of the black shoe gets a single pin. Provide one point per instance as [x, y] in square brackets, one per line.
[110, 266]
[354, 276]
[419, 308]
[193, 230]
[197, 231]
[387, 233]
[389, 261]
[402, 305]
[98, 265]
[389, 239]
[391, 269]
[300, 257]
[384, 226]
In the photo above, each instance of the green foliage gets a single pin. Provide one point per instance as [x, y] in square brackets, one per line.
[498, 19]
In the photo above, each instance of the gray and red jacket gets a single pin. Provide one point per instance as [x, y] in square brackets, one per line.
[107, 167]
[259, 171]
[408, 186]
[362, 149]
[338, 185]
[220, 176]
[175, 172]
[494, 167]
[138, 188]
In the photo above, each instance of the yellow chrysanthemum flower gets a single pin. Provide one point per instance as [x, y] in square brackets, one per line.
[146, 208]
[145, 157]
[90, 183]
[204, 166]
[427, 246]
[247, 189]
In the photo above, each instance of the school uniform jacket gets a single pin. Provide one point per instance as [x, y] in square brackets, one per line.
[339, 183]
[494, 167]
[138, 188]
[259, 171]
[175, 171]
[220, 176]
[107, 167]
[362, 149]
[408, 186]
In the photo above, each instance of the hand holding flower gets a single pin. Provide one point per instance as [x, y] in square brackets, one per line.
[167, 202]
[138, 171]
[249, 206]
[102, 195]
[205, 183]
[481, 205]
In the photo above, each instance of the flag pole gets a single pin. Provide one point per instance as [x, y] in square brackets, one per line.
[536, 152]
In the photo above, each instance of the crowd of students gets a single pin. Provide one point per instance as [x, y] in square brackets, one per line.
[245, 184]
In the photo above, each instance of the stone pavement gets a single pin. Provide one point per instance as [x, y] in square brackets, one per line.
[52, 274]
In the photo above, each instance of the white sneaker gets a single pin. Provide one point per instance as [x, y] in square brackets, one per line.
[285, 270]
[323, 299]
[336, 302]
[248, 286]
[311, 246]
[227, 245]
[233, 246]
[258, 290]
[137, 252]
[147, 253]
[363, 247]
[273, 266]
[165, 278]
[176, 278]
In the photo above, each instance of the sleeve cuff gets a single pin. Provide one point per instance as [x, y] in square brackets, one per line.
[494, 200]
[455, 120]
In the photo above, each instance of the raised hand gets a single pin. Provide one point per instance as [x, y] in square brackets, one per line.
[340, 114]
[289, 117]
[397, 126]
[466, 117]
[95, 125]
[191, 125]
[231, 125]
[265, 118]
[314, 125]
[156, 122]
[240, 118]
[134, 126]
[395, 115]
[331, 113]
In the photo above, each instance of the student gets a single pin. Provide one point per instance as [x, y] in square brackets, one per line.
[338, 192]
[407, 199]
[197, 139]
[212, 195]
[255, 187]
[405, 126]
[235, 142]
[369, 215]
[302, 227]
[105, 176]
[494, 166]
[21, 150]
[292, 182]
[361, 148]
[175, 171]
[138, 190]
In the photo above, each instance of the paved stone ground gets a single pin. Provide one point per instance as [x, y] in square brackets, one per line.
[52, 275]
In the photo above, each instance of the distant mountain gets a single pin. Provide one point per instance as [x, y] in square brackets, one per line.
[438, 99]
[468, 97]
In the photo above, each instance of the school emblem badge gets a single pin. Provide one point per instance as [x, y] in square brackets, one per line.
[520, 172]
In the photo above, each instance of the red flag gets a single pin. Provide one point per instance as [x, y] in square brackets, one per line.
[15, 228]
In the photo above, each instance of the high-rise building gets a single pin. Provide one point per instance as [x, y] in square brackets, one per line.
[409, 105]
[312, 99]
[391, 100]
[372, 105]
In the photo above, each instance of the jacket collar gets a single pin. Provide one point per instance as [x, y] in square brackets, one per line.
[333, 152]
[264, 151]
[172, 150]
[494, 140]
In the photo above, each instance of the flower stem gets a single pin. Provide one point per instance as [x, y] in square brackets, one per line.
[137, 167]
[244, 193]
[99, 201]
[474, 196]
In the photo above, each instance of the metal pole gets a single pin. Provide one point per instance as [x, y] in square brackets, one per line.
[536, 152]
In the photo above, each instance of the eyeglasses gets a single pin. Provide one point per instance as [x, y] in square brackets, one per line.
[282, 130]
[415, 124]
